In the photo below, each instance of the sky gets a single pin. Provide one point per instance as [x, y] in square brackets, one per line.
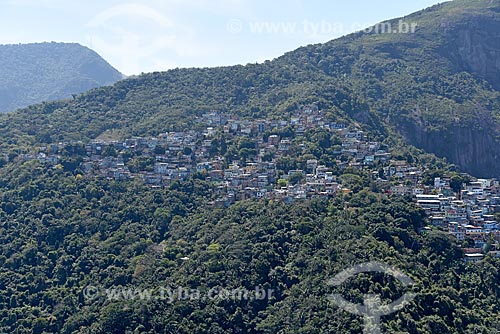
[139, 36]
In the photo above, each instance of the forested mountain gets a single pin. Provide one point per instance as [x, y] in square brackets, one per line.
[85, 251]
[34, 73]
[437, 87]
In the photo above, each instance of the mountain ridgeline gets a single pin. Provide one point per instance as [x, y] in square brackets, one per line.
[438, 88]
[34, 73]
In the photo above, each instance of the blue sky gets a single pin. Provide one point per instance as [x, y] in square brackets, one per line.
[154, 35]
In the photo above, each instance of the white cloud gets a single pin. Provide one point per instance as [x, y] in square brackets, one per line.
[135, 37]
[141, 35]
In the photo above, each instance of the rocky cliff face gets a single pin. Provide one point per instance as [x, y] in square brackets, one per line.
[450, 68]
[473, 147]
[472, 45]
[475, 47]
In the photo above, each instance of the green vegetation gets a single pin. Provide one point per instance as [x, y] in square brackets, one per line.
[33, 73]
[62, 232]
[437, 88]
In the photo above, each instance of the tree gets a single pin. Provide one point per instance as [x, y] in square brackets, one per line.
[457, 181]
[282, 183]
[296, 178]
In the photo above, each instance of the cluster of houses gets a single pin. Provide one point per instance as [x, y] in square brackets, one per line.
[468, 215]
[303, 119]
[175, 156]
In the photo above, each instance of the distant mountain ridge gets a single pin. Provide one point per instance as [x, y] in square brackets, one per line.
[39, 72]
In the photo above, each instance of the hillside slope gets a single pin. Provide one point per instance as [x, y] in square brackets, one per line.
[437, 88]
[33, 73]
[85, 249]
